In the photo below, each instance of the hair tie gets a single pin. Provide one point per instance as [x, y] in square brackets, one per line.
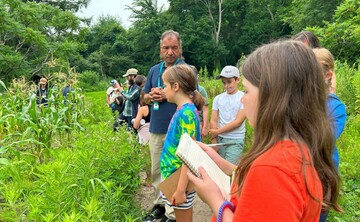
[224, 205]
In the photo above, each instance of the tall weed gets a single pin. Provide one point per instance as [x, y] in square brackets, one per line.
[348, 87]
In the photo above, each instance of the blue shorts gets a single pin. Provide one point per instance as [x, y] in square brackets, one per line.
[231, 153]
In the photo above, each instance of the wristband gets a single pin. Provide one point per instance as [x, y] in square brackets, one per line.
[226, 204]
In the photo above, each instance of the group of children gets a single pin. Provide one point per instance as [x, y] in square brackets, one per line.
[227, 127]
[289, 172]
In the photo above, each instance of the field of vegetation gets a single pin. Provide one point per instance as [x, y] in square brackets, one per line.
[64, 163]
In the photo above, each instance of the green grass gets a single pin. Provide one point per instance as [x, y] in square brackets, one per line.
[349, 149]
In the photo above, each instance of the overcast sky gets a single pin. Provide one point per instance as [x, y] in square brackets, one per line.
[114, 8]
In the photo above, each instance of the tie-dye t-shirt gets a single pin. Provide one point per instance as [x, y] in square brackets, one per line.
[185, 119]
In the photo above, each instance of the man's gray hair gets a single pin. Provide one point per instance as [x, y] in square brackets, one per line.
[170, 33]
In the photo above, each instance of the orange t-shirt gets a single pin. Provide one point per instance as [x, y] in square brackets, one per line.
[274, 188]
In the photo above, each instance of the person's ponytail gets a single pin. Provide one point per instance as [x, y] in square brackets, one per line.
[198, 100]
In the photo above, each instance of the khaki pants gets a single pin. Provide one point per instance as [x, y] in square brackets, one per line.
[156, 143]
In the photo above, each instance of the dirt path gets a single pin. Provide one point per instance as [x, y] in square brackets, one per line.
[145, 196]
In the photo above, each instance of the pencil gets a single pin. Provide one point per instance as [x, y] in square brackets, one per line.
[220, 144]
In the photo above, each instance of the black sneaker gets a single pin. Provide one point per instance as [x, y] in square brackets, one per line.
[157, 212]
[165, 219]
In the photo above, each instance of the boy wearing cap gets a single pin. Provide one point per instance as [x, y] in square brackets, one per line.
[227, 124]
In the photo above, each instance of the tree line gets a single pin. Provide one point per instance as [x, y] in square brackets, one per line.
[38, 37]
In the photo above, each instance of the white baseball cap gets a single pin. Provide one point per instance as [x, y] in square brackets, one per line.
[229, 72]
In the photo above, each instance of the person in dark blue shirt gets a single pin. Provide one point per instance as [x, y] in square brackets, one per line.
[161, 114]
[68, 88]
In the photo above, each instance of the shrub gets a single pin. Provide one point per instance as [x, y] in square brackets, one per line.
[90, 81]
[348, 87]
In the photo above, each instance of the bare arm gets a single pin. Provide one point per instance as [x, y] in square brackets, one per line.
[179, 196]
[214, 125]
[147, 98]
[205, 186]
[141, 112]
[205, 128]
[107, 99]
[240, 118]
[118, 99]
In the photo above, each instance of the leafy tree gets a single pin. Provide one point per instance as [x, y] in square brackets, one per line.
[262, 23]
[215, 12]
[200, 23]
[342, 36]
[243, 25]
[233, 21]
[33, 34]
[145, 33]
[191, 19]
[199, 47]
[302, 13]
[65, 5]
[107, 50]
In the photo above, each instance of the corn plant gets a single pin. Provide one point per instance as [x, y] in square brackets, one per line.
[34, 126]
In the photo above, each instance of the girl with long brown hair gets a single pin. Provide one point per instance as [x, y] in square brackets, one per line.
[288, 169]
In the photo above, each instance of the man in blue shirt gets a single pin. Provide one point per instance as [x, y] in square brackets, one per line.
[161, 114]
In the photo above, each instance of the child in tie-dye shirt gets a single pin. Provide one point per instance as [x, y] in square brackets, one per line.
[180, 88]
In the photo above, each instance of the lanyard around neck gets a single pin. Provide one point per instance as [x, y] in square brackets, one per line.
[162, 64]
